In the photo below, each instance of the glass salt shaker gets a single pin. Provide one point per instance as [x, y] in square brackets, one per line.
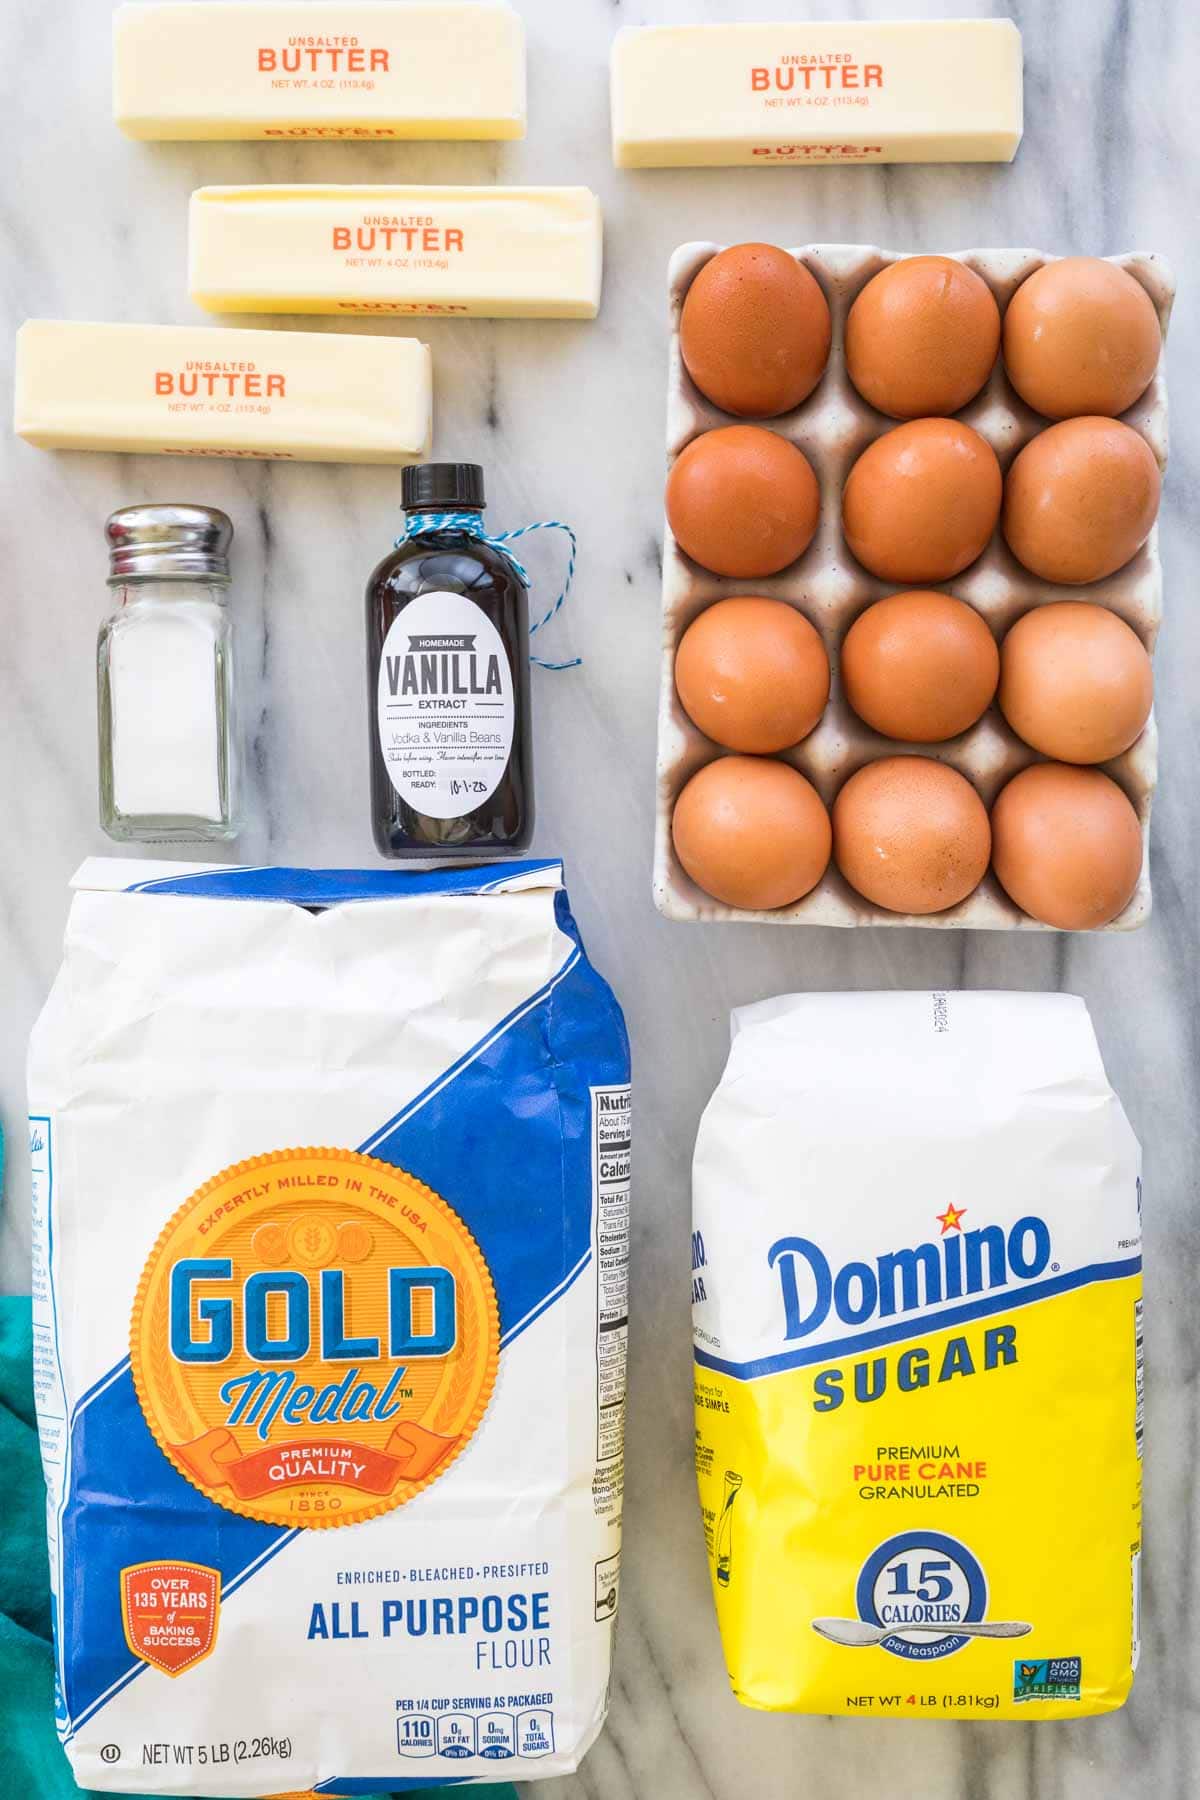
[165, 677]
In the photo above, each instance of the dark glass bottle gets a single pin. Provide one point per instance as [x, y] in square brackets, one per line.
[448, 691]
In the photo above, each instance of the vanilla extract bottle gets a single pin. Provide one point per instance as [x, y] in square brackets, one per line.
[448, 679]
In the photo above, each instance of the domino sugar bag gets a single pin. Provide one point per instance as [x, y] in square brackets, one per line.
[917, 1311]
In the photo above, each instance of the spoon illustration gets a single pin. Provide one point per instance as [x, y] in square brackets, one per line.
[857, 1634]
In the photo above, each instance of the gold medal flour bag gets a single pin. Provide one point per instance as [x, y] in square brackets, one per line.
[918, 1344]
[331, 1187]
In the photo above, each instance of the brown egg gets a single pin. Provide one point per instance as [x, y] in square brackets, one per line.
[743, 501]
[755, 331]
[911, 834]
[1080, 500]
[920, 666]
[1081, 336]
[752, 674]
[1075, 682]
[922, 337]
[752, 832]
[1067, 846]
[922, 501]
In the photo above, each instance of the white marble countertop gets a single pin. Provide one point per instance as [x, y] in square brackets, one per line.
[568, 419]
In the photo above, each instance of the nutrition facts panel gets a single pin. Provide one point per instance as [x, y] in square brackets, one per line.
[610, 1184]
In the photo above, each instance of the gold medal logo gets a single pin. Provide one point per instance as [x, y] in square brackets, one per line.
[315, 1338]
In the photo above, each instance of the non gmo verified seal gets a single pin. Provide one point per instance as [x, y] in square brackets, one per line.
[918, 1582]
[1048, 1678]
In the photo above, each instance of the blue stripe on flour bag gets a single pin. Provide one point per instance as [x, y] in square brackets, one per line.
[329, 887]
[505, 1137]
[509, 1141]
[129, 1505]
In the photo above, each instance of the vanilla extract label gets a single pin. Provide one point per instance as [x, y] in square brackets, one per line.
[444, 666]
[445, 706]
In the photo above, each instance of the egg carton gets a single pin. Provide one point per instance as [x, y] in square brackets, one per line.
[833, 427]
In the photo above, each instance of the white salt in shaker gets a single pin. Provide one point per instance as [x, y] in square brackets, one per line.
[165, 677]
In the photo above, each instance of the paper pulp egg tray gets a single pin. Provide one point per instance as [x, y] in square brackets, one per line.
[833, 427]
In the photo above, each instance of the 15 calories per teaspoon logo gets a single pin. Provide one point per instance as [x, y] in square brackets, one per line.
[315, 1338]
[920, 1596]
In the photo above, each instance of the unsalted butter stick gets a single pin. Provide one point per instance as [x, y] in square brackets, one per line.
[187, 390]
[358, 69]
[797, 94]
[482, 252]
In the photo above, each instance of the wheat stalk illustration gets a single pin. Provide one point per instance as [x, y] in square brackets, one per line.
[468, 1369]
[166, 1392]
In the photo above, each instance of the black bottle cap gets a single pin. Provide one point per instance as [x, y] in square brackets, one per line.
[442, 487]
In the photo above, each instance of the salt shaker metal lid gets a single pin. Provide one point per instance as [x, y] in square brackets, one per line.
[169, 542]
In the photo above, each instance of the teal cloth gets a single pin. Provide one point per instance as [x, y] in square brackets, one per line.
[34, 1763]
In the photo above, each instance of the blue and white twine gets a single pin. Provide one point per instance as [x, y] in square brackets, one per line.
[471, 525]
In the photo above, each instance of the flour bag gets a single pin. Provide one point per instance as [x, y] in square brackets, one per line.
[331, 1178]
[917, 1287]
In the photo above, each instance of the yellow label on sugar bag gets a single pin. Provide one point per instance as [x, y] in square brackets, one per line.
[918, 1326]
[268, 1306]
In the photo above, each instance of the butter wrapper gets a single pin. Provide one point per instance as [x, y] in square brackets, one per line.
[798, 94]
[183, 390]
[374, 250]
[361, 70]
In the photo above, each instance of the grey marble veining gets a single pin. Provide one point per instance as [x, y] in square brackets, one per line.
[568, 418]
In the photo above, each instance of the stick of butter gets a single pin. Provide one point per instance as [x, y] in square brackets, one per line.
[467, 252]
[707, 96]
[186, 390]
[358, 69]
